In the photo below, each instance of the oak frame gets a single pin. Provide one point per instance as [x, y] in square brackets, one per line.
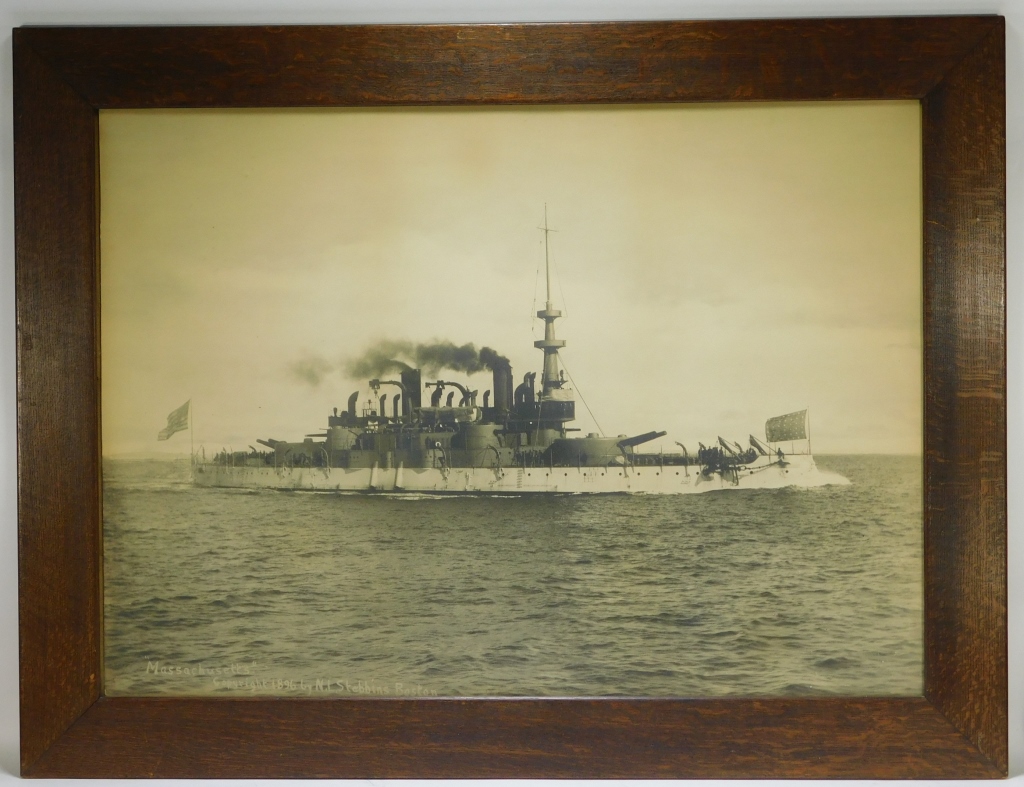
[953, 65]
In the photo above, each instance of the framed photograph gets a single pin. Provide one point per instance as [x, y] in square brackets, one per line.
[594, 400]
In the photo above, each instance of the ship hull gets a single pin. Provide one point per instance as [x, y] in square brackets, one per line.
[798, 470]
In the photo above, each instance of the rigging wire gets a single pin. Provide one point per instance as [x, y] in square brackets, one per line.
[577, 389]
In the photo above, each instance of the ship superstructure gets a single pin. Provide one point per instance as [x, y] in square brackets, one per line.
[438, 436]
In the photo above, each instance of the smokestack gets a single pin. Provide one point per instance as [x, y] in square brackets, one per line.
[413, 389]
[435, 397]
[394, 403]
[502, 385]
[352, 403]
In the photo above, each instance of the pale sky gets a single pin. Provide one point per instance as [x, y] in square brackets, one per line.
[719, 264]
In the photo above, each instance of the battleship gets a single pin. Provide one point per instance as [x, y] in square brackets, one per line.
[439, 437]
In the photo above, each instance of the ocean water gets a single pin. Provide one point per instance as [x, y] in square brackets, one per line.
[735, 593]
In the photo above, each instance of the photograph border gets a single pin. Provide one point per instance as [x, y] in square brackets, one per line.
[953, 65]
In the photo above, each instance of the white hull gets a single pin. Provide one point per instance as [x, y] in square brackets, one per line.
[797, 470]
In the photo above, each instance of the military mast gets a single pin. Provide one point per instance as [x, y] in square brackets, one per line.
[555, 404]
[549, 344]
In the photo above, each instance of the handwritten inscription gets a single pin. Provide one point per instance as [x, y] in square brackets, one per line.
[326, 686]
[163, 668]
[244, 677]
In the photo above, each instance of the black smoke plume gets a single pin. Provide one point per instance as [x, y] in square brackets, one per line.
[394, 356]
[380, 359]
[311, 370]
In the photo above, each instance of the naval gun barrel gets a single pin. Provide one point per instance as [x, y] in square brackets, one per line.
[646, 437]
[269, 443]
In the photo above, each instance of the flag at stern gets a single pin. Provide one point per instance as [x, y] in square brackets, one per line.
[782, 428]
[177, 421]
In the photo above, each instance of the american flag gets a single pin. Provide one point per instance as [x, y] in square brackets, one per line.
[177, 421]
[791, 426]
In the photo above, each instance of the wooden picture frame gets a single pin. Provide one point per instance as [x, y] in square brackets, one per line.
[953, 65]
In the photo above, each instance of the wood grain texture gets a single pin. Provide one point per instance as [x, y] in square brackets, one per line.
[63, 76]
[965, 412]
[469, 64]
[175, 738]
[58, 402]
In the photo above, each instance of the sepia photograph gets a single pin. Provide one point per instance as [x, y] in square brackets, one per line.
[518, 401]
